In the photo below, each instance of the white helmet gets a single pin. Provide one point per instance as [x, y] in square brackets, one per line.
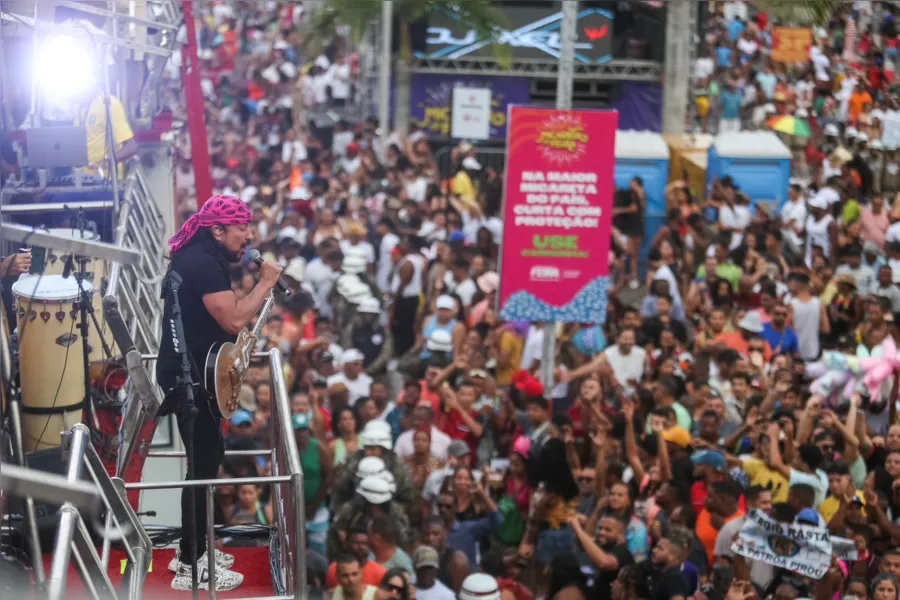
[479, 586]
[354, 264]
[377, 433]
[346, 282]
[372, 466]
[368, 466]
[369, 305]
[375, 490]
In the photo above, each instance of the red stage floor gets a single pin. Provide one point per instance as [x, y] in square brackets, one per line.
[252, 562]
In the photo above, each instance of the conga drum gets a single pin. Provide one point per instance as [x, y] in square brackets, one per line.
[96, 271]
[51, 358]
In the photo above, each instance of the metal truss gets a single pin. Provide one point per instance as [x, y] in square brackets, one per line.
[625, 69]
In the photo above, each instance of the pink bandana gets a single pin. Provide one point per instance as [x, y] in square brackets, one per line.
[218, 210]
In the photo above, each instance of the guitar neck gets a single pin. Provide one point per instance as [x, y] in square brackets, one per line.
[263, 316]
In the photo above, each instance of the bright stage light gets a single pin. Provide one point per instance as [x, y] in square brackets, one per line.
[67, 65]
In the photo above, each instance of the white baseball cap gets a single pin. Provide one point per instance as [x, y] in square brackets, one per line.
[832, 129]
[351, 356]
[824, 198]
[446, 302]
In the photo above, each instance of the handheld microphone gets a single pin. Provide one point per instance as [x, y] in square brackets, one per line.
[256, 257]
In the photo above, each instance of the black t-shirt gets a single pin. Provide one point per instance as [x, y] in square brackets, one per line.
[603, 579]
[669, 585]
[630, 224]
[203, 271]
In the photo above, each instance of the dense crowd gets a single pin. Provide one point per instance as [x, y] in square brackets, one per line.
[746, 376]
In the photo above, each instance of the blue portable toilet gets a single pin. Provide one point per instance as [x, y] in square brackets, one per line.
[757, 161]
[644, 154]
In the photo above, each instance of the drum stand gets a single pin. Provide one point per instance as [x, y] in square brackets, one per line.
[187, 412]
[86, 308]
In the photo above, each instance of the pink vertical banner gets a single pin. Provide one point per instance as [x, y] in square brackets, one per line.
[557, 215]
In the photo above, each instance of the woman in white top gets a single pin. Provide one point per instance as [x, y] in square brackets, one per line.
[821, 228]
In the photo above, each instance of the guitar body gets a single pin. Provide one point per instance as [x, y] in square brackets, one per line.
[227, 364]
[223, 378]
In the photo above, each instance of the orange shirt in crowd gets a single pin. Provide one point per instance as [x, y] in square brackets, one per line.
[372, 574]
[707, 534]
[735, 341]
[857, 101]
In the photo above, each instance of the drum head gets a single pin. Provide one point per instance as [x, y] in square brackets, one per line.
[49, 287]
[74, 234]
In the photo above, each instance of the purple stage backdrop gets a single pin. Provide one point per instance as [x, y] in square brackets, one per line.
[431, 98]
[639, 105]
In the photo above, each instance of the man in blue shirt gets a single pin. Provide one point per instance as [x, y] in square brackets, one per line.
[735, 28]
[767, 80]
[723, 55]
[730, 101]
[780, 337]
[466, 535]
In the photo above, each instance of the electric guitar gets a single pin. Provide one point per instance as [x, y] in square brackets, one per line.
[227, 364]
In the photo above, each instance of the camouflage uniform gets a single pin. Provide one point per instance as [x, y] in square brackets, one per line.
[358, 512]
[345, 490]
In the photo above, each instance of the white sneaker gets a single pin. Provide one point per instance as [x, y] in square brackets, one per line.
[225, 580]
[223, 561]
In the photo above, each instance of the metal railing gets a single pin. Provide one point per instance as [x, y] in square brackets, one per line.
[136, 289]
[287, 488]
[74, 541]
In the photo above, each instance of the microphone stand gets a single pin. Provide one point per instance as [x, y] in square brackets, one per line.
[187, 412]
[86, 311]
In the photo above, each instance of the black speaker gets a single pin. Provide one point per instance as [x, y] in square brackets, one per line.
[49, 461]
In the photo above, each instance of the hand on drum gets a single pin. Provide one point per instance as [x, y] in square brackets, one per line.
[16, 264]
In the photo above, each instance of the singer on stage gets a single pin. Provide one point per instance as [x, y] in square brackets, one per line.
[202, 253]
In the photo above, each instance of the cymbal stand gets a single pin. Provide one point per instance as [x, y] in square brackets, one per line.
[85, 308]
